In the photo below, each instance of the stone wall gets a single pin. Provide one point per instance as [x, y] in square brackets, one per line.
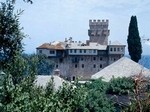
[83, 67]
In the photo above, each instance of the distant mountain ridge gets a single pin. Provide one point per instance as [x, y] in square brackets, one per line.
[145, 60]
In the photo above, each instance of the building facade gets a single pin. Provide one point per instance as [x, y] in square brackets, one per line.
[76, 59]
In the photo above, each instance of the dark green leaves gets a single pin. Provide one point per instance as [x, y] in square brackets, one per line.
[11, 35]
[134, 41]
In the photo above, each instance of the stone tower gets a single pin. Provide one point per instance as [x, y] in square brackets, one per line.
[98, 31]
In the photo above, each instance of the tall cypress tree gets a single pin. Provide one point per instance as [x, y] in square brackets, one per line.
[134, 40]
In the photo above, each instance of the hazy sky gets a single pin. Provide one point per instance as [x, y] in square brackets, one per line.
[50, 20]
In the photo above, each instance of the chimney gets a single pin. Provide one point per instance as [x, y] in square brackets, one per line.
[57, 72]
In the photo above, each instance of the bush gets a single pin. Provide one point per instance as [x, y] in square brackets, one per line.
[120, 86]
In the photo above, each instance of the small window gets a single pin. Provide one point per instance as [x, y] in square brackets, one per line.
[61, 60]
[118, 49]
[84, 51]
[81, 59]
[111, 49]
[80, 51]
[76, 59]
[56, 66]
[52, 52]
[101, 58]
[82, 65]
[75, 50]
[148, 87]
[70, 50]
[94, 58]
[76, 65]
[94, 51]
[114, 49]
[121, 49]
[73, 78]
[101, 66]
[94, 66]
[114, 59]
[90, 51]
[40, 51]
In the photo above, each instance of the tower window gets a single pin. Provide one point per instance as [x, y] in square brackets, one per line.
[114, 49]
[84, 51]
[56, 66]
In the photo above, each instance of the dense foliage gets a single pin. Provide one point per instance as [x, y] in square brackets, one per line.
[11, 34]
[25, 96]
[90, 97]
[120, 86]
[97, 100]
[134, 41]
[44, 65]
[21, 68]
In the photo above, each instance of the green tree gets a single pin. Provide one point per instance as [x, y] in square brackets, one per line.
[11, 34]
[120, 86]
[134, 41]
[43, 64]
[96, 100]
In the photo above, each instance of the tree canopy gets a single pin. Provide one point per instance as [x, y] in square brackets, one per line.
[11, 34]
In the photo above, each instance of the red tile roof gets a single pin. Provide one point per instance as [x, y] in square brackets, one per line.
[49, 46]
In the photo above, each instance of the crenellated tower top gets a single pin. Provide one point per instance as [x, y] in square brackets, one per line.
[98, 31]
[99, 22]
